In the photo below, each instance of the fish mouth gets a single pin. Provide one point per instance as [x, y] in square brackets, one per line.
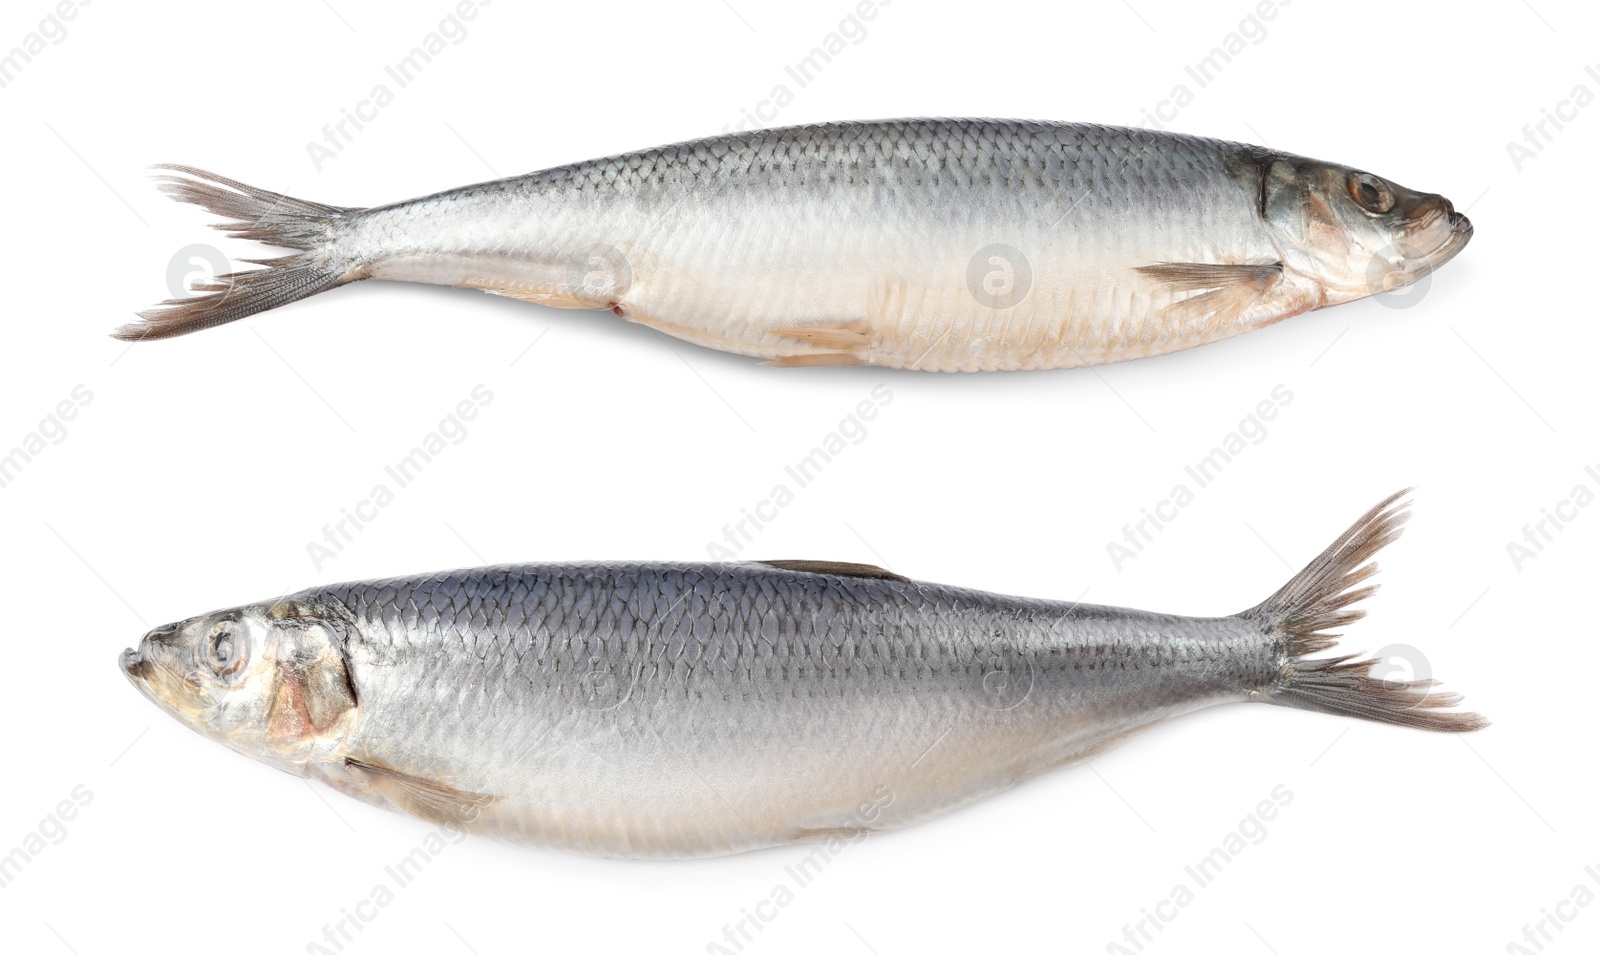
[136, 668]
[1460, 230]
[1454, 241]
[145, 673]
[1457, 233]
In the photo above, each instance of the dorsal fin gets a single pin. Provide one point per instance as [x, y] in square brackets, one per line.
[836, 568]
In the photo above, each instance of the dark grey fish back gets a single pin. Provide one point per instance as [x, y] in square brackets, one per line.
[1100, 163]
[663, 629]
[723, 613]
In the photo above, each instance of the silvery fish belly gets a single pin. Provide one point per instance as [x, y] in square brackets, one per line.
[941, 245]
[676, 710]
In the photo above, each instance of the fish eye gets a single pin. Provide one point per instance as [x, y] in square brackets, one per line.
[225, 649]
[1371, 193]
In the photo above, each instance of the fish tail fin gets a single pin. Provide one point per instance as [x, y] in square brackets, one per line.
[1298, 617]
[267, 217]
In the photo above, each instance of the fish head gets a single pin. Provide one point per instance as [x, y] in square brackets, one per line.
[267, 680]
[1355, 233]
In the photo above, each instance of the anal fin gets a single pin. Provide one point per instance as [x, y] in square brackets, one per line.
[427, 799]
[535, 295]
[815, 360]
[848, 336]
[847, 344]
[832, 833]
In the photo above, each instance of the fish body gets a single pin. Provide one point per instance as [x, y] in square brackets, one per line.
[661, 709]
[677, 710]
[939, 245]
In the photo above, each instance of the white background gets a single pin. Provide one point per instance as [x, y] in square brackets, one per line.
[201, 468]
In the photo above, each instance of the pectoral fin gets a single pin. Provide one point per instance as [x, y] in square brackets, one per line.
[1226, 290]
[427, 799]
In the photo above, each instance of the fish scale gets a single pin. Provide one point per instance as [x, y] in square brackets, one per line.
[844, 640]
[866, 242]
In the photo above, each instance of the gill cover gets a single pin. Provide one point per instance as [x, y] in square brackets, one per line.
[312, 691]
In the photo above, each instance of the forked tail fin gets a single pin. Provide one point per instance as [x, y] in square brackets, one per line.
[1317, 600]
[267, 217]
